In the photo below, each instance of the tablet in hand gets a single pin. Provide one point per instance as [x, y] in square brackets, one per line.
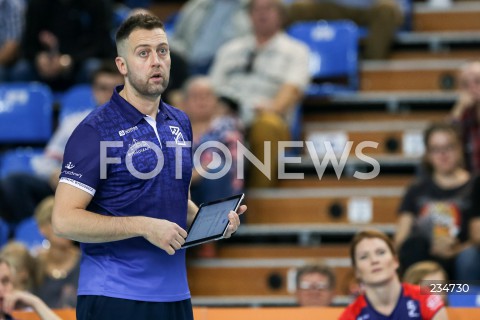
[211, 221]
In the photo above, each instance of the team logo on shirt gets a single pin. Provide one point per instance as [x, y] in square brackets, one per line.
[69, 166]
[178, 135]
[121, 133]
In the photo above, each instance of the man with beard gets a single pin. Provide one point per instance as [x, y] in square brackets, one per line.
[124, 189]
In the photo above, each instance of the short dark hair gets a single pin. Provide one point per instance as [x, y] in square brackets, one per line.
[138, 21]
[106, 66]
[317, 268]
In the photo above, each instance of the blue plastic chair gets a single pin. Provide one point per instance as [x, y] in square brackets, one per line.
[28, 233]
[26, 111]
[78, 98]
[18, 160]
[333, 55]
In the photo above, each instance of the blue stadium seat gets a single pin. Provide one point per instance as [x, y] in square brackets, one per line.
[333, 55]
[78, 98]
[28, 233]
[17, 160]
[26, 111]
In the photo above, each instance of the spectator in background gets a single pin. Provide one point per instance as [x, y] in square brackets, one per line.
[64, 41]
[315, 285]
[434, 213]
[267, 72]
[58, 267]
[13, 299]
[18, 256]
[466, 113]
[20, 192]
[381, 17]
[375, 262]
[428, 271]
[12, 20]
[211, 122]
[203, 26]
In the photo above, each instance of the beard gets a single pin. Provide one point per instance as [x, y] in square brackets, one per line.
[147, 88]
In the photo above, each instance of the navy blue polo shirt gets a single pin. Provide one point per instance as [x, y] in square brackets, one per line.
[98, 159]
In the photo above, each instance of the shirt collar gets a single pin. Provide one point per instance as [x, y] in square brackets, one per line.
[132, 114]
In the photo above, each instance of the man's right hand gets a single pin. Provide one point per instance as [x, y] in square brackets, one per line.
[164, 234]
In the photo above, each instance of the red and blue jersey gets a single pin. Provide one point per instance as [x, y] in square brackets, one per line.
[113, 155]
[411, 305]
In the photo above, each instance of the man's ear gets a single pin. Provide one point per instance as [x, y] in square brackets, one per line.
[121, 65]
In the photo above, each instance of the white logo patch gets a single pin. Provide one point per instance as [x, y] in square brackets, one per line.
[121, 133]
[69, 166]
[178, 135]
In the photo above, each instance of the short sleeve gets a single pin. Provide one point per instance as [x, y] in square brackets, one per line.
[81, 162]
[430, 305]
[298, 73]
[408, 201]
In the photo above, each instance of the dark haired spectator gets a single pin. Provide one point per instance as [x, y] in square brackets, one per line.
[64, 41]
[434, 213]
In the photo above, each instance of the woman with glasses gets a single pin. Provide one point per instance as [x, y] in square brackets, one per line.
[434, 213]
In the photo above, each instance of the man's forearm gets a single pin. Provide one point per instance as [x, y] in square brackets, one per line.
[85, 226]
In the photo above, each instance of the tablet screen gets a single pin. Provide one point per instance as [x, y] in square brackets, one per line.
[211, 220]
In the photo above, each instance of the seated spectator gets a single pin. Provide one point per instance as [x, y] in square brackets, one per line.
[65, 41]
[58, 266]
[267, 72]
[381, 17]
[315, 285]
[375, 262]
[211, 122]
[465, 113]
[434, 213]
[197, 35]
[426, 271]
[20, 193]
[13, 299]
[12, 18]
[17, 254]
